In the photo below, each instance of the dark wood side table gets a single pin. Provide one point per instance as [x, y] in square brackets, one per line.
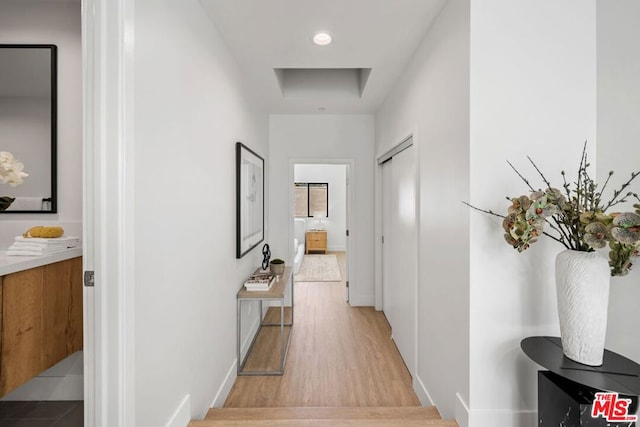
[566, 391]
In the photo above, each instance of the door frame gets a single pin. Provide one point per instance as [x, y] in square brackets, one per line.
[351, 213]
[108, 217]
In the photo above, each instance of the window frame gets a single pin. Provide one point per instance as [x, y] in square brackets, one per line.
[309, 185]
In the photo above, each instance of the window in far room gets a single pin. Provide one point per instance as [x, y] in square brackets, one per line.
[311, 199]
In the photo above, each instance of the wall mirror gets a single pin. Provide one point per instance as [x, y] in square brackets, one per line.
[28, 123]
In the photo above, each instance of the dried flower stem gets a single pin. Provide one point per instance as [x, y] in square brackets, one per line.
[490, 212]
[616, 194]
[484, 210]
[526, 181]
[576, 217]
[564, 238]
[559, 224]
[546, 181]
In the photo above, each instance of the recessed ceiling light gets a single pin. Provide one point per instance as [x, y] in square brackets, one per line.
[321, 108]
[322, 39]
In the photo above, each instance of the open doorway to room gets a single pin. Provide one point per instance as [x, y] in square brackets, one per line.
[41, 113]
[320, 223]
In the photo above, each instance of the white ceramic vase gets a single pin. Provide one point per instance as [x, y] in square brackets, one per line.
[582, 282]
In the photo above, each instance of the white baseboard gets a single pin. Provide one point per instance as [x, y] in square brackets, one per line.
[502, 418]
[230, 378]
[461, 411]
[421, 392]
[366, 300]
[182, 415]
[336, 248]
[225, 387]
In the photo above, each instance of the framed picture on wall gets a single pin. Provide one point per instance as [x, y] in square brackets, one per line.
[249, 199]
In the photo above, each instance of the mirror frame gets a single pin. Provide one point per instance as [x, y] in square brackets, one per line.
[54, 123]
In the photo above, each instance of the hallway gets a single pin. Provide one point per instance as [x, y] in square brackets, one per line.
[339, 356]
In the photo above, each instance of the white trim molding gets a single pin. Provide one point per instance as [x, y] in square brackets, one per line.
[502, 418]
[421, 391]
[108, 200]
[462, 411]
[182, 415]
[466, 417]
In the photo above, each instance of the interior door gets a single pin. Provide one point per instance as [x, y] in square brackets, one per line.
[400, 258]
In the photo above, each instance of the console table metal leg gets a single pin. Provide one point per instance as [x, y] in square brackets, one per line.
[238, 329]
[282, 343]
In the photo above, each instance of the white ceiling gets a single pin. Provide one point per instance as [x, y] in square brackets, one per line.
[264, 35]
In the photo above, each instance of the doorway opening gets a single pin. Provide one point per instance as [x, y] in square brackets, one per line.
[42, 113]
[320, 222]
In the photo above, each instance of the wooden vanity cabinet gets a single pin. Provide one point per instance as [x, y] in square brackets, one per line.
[41, 320]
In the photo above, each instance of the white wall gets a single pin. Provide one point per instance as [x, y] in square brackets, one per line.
[431, 100]
[336, 222]
[190, 110]
[533, 93]
[618, 148]
[52, 23]
[296, 138]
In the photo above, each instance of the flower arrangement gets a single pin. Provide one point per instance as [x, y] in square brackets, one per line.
[11, 169]
[575, 217]
[11, 172]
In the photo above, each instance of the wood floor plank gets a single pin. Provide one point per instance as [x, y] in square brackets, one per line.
[268, 337]
[391, 412]
[325, 423]
[339, 356]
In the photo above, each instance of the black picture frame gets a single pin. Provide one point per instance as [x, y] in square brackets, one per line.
[249, 199]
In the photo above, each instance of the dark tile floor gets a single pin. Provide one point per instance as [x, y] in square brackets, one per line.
[42, 414]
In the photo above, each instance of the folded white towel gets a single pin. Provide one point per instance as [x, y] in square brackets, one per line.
[38, 246]
[18, 252]
[26, 204]
[52, 240]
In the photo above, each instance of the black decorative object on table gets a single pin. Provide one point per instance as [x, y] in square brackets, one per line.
[567, 392]
[266, 255]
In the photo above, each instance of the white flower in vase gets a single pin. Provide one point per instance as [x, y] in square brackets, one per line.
[11, 172]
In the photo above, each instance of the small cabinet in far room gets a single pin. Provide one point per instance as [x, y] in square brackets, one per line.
[316, 241]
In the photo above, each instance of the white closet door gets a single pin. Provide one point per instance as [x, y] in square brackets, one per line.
[400, 252]
[386, 231]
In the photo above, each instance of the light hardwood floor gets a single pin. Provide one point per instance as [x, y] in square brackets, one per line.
[340, 356]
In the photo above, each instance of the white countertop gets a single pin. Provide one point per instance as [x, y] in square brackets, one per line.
[12, 264]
